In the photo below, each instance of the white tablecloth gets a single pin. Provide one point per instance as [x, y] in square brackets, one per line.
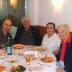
[46, 67]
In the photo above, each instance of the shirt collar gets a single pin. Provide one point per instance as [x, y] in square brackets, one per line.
[68, 40]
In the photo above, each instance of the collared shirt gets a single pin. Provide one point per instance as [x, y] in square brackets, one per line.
[27, 38]
[52, 43]
[4, 38]
[64, 48]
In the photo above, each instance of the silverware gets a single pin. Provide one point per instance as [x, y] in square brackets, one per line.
[30, 70]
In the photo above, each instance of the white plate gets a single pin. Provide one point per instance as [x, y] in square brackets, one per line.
[36, 67]
[17, 65]
[12, 59]
[51, 56]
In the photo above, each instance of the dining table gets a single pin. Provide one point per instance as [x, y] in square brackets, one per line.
[36, 65]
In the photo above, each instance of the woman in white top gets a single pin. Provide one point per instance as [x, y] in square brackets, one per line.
[51, 40]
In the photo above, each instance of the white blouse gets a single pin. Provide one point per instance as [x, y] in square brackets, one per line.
[52, 43]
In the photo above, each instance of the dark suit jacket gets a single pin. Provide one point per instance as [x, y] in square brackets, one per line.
[67, 57]
[35, 33]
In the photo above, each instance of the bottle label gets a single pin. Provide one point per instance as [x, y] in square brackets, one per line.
[9, 50]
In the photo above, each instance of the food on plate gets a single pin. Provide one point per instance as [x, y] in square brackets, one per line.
[18, 46]
[18, 68]
[2, 53]
[47, 59]
[13, 61]
[2, 68]
[41, 49]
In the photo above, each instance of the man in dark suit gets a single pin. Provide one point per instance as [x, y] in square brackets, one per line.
[65, 53]
[27, 34]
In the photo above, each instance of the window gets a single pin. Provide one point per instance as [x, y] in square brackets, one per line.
[12, 9]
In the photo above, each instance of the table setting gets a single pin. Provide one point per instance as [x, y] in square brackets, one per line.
[28, 59]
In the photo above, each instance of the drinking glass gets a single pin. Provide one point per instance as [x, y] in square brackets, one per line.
[2, 46]
[28, 59]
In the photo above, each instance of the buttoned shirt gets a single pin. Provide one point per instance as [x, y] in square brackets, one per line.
[52, 43]
[27, 38]
[4, 38]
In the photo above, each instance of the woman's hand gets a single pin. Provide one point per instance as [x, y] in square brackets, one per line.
[56, 51]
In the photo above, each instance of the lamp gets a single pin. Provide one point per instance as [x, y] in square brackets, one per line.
[0, 3]
[57, 4]
[13, 3]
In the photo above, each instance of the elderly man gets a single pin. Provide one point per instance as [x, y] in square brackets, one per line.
[51, 40]
[27, 34]
[65, 54]
[4, 33]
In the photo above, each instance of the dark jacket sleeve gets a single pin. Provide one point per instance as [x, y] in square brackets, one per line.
[18, 34]
[68, 58]
[11, 39]
[36, 35]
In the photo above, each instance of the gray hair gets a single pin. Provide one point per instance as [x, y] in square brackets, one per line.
[25, 18]
[64, 25]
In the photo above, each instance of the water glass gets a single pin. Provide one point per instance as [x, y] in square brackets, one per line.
[2, 46]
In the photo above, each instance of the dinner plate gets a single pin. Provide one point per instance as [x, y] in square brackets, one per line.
[48, 58]
[12, 59]
[36, 67]
[18, 46]
[18, 67]
[2, 68]
[39, 48]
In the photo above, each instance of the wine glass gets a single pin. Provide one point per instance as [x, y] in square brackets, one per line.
[2, 46]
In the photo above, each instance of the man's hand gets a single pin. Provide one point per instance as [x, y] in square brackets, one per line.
[60, 70]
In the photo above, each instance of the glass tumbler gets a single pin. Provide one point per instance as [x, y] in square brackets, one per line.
[28, 59]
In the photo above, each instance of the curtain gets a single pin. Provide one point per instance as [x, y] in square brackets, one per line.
[13, 10]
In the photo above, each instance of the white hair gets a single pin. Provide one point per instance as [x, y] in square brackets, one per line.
[64, 25]
[25, 18]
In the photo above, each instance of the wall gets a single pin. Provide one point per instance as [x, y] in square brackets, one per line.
[30, 10]
[46, 13]
[33, 11]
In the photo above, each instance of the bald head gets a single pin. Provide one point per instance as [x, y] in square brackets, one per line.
[7, 24]
[63, 31]
[7, 21]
